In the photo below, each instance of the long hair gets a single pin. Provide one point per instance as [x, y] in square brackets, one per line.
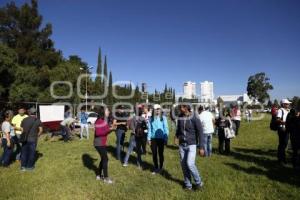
[101, 112]
[153, 113]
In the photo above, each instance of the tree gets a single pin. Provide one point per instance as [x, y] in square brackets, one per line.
[110, 96]
[296, 103]
[276, 103]
[8, 65]
[269, 105]
[105, 69]
[25, 87]
[21, 29]
[99, 80]
[258, 87]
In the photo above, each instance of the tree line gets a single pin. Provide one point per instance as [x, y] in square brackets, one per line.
[29, 63]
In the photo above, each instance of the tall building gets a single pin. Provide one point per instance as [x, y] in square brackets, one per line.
[206, 91]
[144, 87]
[189, 90]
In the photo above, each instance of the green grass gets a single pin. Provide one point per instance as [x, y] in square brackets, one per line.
[66, 171]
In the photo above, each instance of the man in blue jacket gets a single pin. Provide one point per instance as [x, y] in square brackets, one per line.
[189, 135]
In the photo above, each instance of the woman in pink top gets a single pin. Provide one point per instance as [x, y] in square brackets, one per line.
[102, 130]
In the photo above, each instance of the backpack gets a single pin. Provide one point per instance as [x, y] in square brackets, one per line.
[140, 128]
[274, 126]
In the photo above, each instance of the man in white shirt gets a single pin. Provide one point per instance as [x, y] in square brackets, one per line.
[65, 128]
[283, 135]
[207, 120]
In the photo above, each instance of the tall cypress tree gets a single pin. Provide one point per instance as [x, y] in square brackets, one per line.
[110, 96]
[98, 80]
[99, 63]
[105, 71]
[174, 96]
[105, 80]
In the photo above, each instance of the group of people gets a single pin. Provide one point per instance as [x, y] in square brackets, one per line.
[150, 126]
[19, 138]
[194, 132]
[286, 121]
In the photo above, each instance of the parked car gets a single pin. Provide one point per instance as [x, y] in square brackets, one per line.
[92, 117]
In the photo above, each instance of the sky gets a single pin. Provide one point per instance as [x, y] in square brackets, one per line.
[173, 41]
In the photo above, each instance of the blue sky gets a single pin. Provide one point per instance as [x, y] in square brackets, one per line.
[172, 41]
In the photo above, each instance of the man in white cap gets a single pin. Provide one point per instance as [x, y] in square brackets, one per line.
[283, 135]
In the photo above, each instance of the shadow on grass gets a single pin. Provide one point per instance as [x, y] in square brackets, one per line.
[172, 147]
[257, 151]
[272, 169]
[146, 166]
[88, 162]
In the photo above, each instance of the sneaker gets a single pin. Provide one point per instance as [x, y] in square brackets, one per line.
[125, 165]
[199, 186]
[188, 188]
[108, 181]
[140, 167]
[156, 171]
[30, 169]
[99, 178]
[23, 169]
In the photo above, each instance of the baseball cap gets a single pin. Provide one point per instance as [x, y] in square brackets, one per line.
[285, 101]
[157, 106]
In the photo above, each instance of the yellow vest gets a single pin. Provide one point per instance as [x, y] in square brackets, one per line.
[17, 120]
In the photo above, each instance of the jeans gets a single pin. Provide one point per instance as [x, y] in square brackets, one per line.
[103, 165]
[28, 154]
[157, 145]
[7, 152]
[131, 146]
[207, 144]
[283, 142]
[17, 143]
[189, 168]
[120, 134]
[82, 127]
[135, 141]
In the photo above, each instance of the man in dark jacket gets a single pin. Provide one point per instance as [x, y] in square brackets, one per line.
[189, 135]
[293, 127]
[31, 130]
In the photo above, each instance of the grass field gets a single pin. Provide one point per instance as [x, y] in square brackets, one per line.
[67, 171]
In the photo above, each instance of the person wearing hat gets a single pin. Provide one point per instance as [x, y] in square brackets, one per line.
[157, 137]
[283, 134]
[31, 130]
[16, 122]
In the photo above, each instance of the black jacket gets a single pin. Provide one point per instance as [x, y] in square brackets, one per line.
[189, 130]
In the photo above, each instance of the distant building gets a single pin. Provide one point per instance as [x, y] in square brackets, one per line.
[144, 87]
[206, 91]
[189, 90]
[227, 100]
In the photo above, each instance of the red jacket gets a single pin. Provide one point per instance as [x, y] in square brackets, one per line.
[101, 132]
